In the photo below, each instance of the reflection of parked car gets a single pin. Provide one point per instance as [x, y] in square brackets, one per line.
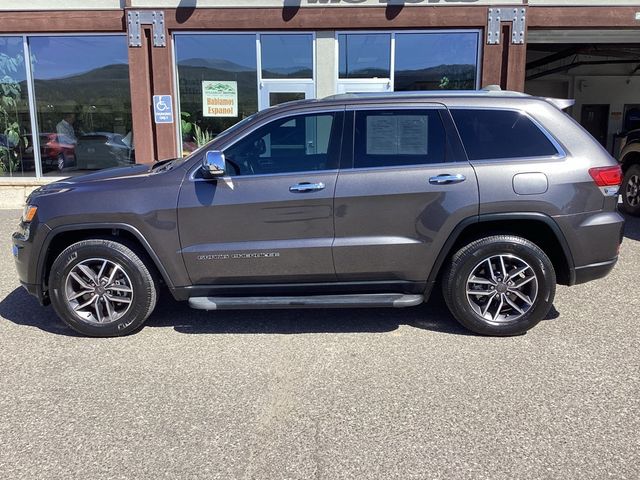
[56, 154]
[630, 161]
[103, 149]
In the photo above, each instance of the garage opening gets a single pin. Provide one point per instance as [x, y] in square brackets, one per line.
[599, 69]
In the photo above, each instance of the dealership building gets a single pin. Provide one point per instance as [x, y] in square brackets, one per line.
[90, 84]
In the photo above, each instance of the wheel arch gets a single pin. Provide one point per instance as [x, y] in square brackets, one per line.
[630, 157]
[536, 227]
[61, 237]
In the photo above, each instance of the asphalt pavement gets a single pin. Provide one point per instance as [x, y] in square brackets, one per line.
[315, 394]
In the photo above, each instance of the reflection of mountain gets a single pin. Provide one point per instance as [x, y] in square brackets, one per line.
[106, 85]
[460, 76]
[366, 73]
[214, 64]
[292, 72]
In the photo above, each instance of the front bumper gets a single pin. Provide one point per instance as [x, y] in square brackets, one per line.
[26, 249]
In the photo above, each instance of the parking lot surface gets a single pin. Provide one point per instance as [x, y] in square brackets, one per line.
[326, 394]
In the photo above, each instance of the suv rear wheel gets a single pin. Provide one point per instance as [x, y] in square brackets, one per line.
[102, 288]
[500, 285]
[630, 190]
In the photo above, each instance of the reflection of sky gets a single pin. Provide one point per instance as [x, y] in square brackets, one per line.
[286, 51]
[417, 51]
[12, 47]
[239, 49]
[414, 51]
[60, 57]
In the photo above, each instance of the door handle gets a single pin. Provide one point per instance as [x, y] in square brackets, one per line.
[306, 187]
[447, 179]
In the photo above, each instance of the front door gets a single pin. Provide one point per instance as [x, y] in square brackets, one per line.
[270, 218]
[407, 187]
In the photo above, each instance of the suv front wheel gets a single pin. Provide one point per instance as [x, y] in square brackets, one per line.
[500, 285]
[102, 288]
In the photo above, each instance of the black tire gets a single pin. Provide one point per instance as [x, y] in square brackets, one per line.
[630, 190]
[135, 275]
[514, 251]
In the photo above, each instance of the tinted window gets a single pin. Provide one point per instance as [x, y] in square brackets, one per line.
[436, 61]
[500, 134]
[287, 56]
[83, 102]
[16, 149]
[293, 144]
[398, 137]
[204, 60]
[364, 55]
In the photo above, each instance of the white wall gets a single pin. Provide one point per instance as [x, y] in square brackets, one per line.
[615, 91]
[325, 63]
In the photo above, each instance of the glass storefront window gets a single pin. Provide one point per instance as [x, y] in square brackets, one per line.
[225, 58]
[286, 56]
[16, 147]
[364, 55]
[433, 61]
[83, 102]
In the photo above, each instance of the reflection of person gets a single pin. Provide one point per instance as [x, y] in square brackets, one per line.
[65, 131]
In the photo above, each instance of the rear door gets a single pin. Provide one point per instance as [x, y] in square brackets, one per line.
[270, 219]
[405, 186]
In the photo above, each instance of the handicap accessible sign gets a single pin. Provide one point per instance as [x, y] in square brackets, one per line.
[163, 109]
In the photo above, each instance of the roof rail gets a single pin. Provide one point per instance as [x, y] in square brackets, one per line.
[487, 91]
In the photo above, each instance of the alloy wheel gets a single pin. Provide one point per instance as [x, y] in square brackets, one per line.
[502, 288]
[98, 291]
[632, 191]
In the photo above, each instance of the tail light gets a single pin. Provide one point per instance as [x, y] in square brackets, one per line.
[607, 176]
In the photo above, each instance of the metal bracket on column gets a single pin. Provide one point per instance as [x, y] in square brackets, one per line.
[137, 18]
[506, 14]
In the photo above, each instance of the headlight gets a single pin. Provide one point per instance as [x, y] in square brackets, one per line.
[29, 213]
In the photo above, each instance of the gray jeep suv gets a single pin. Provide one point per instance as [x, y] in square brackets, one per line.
[349, 201]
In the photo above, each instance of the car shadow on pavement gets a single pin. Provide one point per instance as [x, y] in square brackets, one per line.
[22, 309]
[632, 227]
[431, 316]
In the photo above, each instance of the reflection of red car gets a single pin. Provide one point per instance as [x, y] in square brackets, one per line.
[56, 154]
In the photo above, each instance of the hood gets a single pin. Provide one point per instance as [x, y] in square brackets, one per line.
[140, 170]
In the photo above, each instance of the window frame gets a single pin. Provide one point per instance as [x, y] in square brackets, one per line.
[249, 130]
[257, 34]
[392, 45]
[451, 147]
[560, 150]
[31, 93]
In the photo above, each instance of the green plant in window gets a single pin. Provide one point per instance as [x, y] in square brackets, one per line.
[10, 131]
[444, 83]
[185, 125]
[202, 137]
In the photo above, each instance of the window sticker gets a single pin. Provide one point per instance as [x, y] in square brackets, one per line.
[219, 99]
[397, 134]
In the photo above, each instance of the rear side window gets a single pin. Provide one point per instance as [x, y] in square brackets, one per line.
[398, 137]
[488, 134]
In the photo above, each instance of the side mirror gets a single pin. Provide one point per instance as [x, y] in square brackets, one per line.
[213, 164]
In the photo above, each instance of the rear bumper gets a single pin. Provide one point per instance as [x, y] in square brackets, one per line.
[593, 272]
[593, 239]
